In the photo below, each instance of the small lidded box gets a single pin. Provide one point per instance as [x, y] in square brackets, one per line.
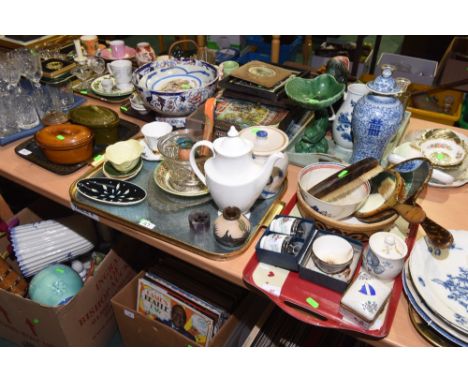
[366, 297]
[285, 242]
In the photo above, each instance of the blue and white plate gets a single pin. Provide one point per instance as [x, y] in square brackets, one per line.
[434, 322]
[111, 191]
[442, 280]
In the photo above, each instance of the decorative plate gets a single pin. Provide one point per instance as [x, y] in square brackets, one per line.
[97, 88]
[111, 191]
[106, 54]
[110, 171]
[162, 178]
[149, 154]
[441, 279]
[409, 149]
[443, 152]
[434, 322]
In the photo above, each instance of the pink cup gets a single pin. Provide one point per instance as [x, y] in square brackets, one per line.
[117, 48]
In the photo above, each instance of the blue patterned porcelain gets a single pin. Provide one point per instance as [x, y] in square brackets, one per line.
[384, 84]
[175, 87]
[375, 120]
[342, 123]
[442, 281]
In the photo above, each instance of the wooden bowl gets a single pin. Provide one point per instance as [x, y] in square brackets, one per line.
[360, 231]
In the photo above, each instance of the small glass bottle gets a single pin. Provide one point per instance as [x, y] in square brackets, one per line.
[280, 243]
[291, 226]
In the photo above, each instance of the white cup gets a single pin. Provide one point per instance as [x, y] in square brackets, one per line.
[153, 131]
[121, 70]
[107, 84]
[385, 256]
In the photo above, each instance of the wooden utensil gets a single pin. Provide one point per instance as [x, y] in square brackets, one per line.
[210, 106]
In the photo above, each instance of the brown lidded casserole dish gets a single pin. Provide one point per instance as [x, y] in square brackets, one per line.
[66, 143]
[101, 120]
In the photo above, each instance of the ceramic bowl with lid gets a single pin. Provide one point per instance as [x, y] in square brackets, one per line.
[385, 256]
[102, 120]
[268, 140]
[66, 143]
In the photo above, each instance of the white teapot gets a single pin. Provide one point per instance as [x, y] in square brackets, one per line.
[233, 177]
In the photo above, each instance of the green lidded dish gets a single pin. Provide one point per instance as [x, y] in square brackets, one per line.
[315, 93]
[102, 120]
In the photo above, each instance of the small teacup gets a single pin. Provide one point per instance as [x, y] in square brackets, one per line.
[229, 67]
[107, 85]
[332, 254]
[90, 43]
[117, 48]
[121, 70]
[153, 131]
[385, 256]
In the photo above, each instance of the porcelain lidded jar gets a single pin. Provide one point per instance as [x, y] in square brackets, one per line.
[342, 123]
[267, 141]
[376, 118]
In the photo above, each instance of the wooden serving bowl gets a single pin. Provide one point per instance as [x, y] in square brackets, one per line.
[360, 231]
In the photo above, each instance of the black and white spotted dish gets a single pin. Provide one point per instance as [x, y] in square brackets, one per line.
[111, 191]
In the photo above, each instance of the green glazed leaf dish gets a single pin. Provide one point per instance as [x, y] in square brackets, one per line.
[315, 93]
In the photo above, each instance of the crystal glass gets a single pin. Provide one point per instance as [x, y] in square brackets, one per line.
[97, 65]
[83, 73]
[26, 113]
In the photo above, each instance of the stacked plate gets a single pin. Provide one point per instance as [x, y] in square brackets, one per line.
[436, 283]
[39, 244]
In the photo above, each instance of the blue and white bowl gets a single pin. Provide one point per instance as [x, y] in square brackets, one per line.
[175, 87]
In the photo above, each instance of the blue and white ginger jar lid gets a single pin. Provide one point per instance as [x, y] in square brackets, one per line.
[384, 84]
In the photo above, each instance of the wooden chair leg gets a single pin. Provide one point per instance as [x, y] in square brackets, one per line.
[275, 49]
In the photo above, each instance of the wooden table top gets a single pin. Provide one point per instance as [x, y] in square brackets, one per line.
[448, 207]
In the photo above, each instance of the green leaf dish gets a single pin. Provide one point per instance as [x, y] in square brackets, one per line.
[316, 93]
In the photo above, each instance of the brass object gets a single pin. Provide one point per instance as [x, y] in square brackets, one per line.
[425, 331]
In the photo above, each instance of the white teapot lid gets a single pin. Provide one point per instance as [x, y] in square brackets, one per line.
[232, 145]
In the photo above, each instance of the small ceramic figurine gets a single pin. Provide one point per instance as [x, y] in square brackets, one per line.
[376, 118]
[231, 228]
[339, 67]
[313, 140]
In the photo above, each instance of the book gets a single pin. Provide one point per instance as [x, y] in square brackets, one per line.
[218, 314]
[242, 114]
[156, 303]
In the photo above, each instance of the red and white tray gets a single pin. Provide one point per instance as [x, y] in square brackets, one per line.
[315, 304]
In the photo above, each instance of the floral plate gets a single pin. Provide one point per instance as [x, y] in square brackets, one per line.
[441, 279]
[162, 177]
[97, 88]
[434, 322]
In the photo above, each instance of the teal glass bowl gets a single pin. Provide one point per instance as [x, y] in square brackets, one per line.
[55, 285]
[314, 93]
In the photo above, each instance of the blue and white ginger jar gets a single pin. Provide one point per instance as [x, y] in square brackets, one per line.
[376, 118]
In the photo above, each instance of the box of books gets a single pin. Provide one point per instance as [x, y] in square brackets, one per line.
[169, 309]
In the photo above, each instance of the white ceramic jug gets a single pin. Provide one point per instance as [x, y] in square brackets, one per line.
[233, 177]
[342, 122]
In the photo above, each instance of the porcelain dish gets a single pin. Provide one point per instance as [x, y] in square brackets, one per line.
[317, 93]
[124, 155]
[432, 320]
[162, 178]
[111, 191]
[441, 278]
[443, 152]
[175, 87]
[110, 172]
[96, 87]
[106, 54]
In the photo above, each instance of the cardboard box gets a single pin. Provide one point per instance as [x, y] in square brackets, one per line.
[454, 64]
[87, 320]
[137, 330]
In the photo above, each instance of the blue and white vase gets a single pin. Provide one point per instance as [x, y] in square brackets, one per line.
[376, 118]
[342, 123]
